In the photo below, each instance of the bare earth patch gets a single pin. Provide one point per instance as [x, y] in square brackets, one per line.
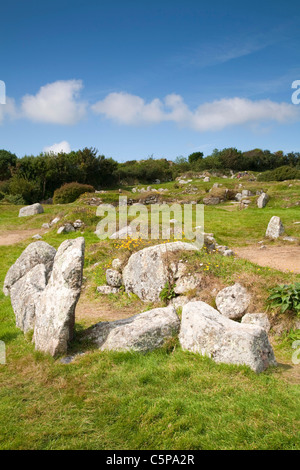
[17, 236]
[91, 311]
[284, 258]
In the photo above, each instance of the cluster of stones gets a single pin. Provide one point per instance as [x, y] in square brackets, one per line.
[69, 227]
[243, 198]
[46, 226]
[44, 286]
[217, 333]
[149, 189]
[93, 201]
[212, 246]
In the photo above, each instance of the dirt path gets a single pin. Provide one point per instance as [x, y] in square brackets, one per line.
[284, 258]
[16, 236]
[90, 311]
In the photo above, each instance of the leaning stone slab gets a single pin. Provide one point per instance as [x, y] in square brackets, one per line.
[262, 200]
[35, 253]
[143, 332]
[275, 228]
[31, 210]
[25, 296]
[233, 301]
[147, 271]
[207, 332]
[55, 317]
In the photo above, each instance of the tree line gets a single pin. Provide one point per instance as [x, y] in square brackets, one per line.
[33, 178]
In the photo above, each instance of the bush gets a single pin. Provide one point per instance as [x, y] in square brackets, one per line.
[280, 174]
[28, 190]
[8, 161]
[145, 171]
[4, 187]
[70, 192]
[15, 199]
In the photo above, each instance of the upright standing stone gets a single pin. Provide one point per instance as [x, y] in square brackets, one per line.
[275, 228]
[35, 253]
[55, 317]
[25, 297]
[262, 200]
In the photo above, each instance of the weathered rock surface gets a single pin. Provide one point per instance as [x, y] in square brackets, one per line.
[31, 210]
[246, 193]
[179, 301]
[233, 301]
[186, 283]
[107, 290]
[113, 278]
[259, 319]
[35, 253]
[37, 237]
[54, 221]
[55, 316]
[143, 332]
[78, 224]
[211, 201]
[262, 200]
[116, 263]
[66, 228]
[290, 239]
[205, 331]
[147, 271]
[275, 228]
[25, 296]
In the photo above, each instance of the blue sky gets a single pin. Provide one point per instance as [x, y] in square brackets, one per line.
[140, 78]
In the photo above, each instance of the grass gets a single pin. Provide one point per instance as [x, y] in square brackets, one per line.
[153, 401]
[166, 399]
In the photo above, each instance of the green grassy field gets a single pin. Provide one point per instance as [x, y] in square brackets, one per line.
[166, 399]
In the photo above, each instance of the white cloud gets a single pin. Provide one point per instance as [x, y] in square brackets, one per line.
[63, 146]
[55, 103]
[133, 110]
[235, 111]
[8, 110]
[129, 109]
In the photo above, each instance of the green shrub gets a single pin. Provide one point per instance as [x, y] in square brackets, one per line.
[280, 174]
[28, 190]
[4, 186]
[287, 297]
[15, 199]
[70, 192]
